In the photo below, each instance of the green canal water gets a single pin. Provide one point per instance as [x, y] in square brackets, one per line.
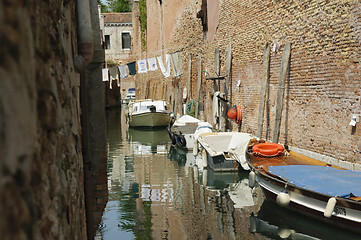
[158, 192]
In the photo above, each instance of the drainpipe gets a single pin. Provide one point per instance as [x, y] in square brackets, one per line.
[81, 61]
[85, 36]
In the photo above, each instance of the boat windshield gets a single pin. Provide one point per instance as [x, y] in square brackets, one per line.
[146, 106]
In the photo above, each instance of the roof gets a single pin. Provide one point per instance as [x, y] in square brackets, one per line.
[117, 17]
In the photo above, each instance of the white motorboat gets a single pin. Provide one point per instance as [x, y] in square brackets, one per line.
[148, 113]
[183, 131]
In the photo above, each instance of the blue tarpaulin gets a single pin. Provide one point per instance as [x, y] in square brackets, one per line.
[322, 179]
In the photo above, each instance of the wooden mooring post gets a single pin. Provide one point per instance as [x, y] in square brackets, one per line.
[223, 120]
[228, 74]
[180, 97]
[280, 93]
[199, 83]
[189, 72]
[216, 87]
[264, 88]
[175, 91]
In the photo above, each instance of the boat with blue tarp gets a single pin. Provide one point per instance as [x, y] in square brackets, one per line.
[307, 185]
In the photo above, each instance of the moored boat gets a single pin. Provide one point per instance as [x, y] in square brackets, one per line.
[224, 151]
[307, 185]
[185, 130]
[148, 113]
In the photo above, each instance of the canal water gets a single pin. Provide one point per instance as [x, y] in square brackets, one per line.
[158, 192]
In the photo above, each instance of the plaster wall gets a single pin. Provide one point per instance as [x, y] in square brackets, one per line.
[116, 53]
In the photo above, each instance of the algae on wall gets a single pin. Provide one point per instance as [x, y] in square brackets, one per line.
[143, 23]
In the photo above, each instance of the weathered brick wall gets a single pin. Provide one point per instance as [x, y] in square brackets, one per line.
[41, 187]
[323, 88]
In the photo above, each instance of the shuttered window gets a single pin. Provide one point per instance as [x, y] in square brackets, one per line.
[107, 42]
[126, 43]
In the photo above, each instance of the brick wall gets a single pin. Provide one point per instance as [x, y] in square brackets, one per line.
[41, 170]
[323, 87]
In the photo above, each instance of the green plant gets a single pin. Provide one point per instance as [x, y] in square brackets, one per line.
[143, 22]
[111, 63]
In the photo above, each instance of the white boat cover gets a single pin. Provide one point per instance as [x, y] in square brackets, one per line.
[233, 143]
[186, 119]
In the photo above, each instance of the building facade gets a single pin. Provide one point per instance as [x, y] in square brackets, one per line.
[117, 36]
[323, 86]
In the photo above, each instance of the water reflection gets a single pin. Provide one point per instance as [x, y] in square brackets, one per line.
[276, 222]
[159, 192]
[148, 141]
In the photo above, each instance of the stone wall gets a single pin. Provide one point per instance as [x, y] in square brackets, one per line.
[41, 170]
[323, 86]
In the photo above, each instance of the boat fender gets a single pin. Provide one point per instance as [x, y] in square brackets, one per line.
[252, 179]
[171, 136]
[232, 113]
[284, 232]
[204, 157]
[330, 207]
[195, 147]
[283, 199]
[252, 223]
[181, 141]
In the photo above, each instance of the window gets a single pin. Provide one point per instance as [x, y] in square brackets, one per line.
[107, 42]
[126, 43]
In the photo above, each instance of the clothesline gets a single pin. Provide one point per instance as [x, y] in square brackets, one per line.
[155, 53]
[144, 66]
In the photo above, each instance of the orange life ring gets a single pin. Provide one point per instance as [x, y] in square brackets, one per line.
[268, 149]
[239, 115]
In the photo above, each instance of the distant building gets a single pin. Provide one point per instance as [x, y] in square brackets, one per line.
[117, 36]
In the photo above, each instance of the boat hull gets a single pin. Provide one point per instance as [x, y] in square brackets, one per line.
[219, 163]
[274, 222]
[149, 119]
[184, 129]
[346, 213]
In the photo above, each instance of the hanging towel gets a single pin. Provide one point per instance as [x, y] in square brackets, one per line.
[215, 109]
[132, 69]
[105, 72]
[123, 71]
[177, 69]
[114, 76]
[113, 71]
[152, 63]
[142, 66]
[165, 70]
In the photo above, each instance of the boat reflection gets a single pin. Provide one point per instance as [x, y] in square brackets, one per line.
[242, 195]
[276, 222]
[148, 141]
[211, 179]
